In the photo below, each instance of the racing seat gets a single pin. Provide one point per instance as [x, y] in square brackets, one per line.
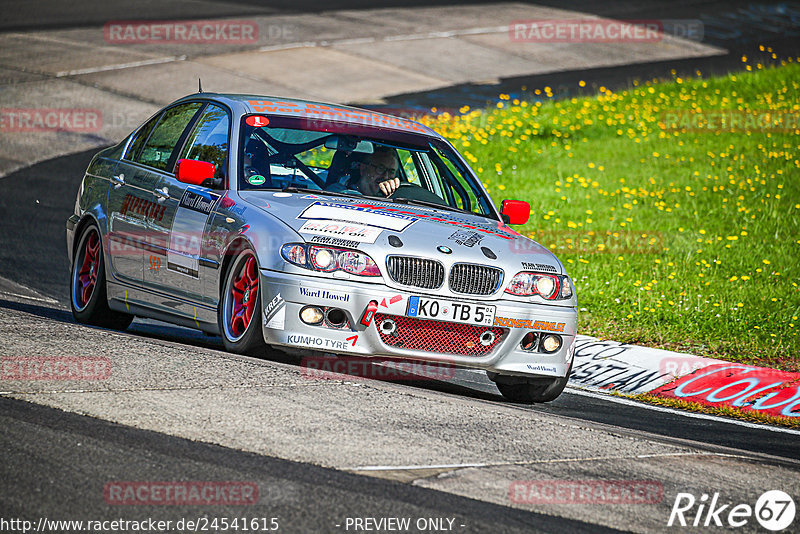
[217, 145]
[259, 161]
[341, 166]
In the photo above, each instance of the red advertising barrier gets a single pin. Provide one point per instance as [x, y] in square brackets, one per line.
[745, 387]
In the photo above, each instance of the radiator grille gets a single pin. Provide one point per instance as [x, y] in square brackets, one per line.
[416, 272]
[470, 279]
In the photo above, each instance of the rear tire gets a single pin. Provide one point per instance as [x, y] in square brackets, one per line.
[531, 390]
[239, 312]
[88, 294]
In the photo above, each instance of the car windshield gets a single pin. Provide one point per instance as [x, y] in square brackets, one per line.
[342, 159]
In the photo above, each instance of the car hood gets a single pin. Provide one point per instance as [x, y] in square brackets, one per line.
[386, 228]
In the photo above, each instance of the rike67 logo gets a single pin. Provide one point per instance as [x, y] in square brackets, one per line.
[774, 510]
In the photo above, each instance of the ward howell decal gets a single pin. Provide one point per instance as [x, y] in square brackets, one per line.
[198, 202]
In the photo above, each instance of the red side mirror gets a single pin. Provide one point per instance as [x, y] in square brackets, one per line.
[516, 211]
[191, 171]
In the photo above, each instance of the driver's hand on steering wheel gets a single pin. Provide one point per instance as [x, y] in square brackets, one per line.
[389, 186]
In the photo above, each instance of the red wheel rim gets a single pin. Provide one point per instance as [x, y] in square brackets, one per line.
[244, 293]
[87, 276]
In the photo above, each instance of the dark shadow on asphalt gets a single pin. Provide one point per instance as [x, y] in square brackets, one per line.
[314, 365]
[68, 480]
[712, 432]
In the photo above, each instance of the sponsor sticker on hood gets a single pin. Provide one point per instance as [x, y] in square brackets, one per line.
[358, 214]
[352, 232]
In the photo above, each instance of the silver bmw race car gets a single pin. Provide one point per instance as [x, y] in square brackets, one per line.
[291, 223]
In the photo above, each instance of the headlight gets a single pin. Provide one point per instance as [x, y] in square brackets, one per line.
[549, 286]
[551, 343]
[323, 259]
[566, 287]
[294, 253]
[328, 260]
[545, 286]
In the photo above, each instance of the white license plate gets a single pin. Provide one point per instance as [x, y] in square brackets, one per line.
[456, 312]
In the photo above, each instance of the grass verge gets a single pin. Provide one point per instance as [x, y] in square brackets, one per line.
[722, 411]
[675, 206]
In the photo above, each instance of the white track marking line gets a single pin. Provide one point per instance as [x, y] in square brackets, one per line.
[390, 38]
[43, 299]
[286, 46]
[119, 66]
[533, 462]
[629, 402]
[445, 34]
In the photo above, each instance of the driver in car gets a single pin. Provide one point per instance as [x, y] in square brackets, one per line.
[376, 175]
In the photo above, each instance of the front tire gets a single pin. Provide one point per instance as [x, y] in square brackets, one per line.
[88, 296]
[531, 390]
[239, 313]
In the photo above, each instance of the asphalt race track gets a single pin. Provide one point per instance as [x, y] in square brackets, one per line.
[34, 256]
[79, 452]
[325, 452]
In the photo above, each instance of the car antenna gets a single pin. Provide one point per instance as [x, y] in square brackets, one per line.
[199, 85]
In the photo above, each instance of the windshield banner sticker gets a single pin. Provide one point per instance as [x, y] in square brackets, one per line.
[333, 113]
[358, 214]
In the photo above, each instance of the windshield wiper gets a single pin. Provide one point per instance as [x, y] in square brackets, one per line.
[441, 207]
[293, 189]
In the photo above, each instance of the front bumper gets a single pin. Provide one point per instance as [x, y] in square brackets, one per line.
[285, 295]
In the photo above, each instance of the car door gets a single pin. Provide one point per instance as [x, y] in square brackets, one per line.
[135, 208]
[125, 248]
[188, 209]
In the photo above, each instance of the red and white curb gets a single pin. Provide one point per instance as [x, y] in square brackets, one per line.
[612, 366]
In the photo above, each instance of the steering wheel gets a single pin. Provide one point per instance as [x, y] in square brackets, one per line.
[404, 187]
[416, 192]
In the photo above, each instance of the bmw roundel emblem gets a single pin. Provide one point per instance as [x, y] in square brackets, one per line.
[444, 250]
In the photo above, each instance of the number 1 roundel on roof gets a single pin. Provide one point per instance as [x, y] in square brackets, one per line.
[256, 121]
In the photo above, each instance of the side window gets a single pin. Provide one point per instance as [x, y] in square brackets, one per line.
[409, 168]
[462, 191]
[136, 146]
[165, 135]
[318, 157]
[209, 139]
